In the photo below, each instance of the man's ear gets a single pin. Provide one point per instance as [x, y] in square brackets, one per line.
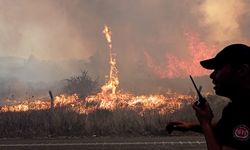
[243, 70]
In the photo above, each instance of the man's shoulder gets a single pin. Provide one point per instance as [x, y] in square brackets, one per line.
[240, 110]
[233, 129]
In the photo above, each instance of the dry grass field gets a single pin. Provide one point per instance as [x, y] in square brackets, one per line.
[103, 129]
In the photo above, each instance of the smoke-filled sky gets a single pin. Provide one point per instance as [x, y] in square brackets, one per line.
[65, 30]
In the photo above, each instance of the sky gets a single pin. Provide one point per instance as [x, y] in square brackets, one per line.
[54, 39]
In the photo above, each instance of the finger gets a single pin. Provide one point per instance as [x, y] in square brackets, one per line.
[198, 108]
[173, 126]
[169, 129]
[175, 122]
[195, 107]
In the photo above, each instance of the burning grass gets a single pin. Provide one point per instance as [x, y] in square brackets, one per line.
[166, 103]
[109, 112]
[139, 115]
[101, 114]
[65, 121]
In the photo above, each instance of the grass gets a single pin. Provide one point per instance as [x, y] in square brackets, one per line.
[63, 122]
[101, 122]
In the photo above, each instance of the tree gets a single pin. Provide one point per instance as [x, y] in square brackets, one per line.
[82, 85]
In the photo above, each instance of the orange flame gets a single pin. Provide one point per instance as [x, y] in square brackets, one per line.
[165, 103]
[113, 81]
[107, 32]
[177, 67]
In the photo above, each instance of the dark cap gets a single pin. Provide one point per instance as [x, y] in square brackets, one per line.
[232, 54]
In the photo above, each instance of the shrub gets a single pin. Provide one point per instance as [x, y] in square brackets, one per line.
[82, 85]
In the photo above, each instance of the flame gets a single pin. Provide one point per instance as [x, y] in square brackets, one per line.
[164, 103]
[59, 101]
[113, 81]
[177, 67]
[107, 32]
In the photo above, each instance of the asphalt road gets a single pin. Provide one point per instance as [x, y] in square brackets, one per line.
[107, 143]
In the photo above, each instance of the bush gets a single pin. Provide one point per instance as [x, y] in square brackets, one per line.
[82, 85]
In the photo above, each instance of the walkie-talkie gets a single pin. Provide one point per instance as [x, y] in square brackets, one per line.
[201, 100]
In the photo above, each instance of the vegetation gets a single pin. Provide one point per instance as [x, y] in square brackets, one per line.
[82, 85]
[100, 122]
[63, 122]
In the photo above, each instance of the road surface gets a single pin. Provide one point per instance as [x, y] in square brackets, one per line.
[107, 143]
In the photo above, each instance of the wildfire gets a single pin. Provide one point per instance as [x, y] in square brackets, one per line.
[113, 81]
[166, 103]
[176, 67]
[109, 98]
[107, 32]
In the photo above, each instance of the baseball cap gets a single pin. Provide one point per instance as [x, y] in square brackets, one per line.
[232, 54]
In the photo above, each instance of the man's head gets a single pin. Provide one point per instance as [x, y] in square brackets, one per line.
[231, 69]
[233, 54]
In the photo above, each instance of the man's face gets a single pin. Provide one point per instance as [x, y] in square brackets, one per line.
[223, 80]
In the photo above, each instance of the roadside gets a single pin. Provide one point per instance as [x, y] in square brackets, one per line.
[105, 143]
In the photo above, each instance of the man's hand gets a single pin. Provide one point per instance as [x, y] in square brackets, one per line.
[204, 114]
[178, 126]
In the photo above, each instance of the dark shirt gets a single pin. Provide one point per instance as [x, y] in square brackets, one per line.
[233, 129]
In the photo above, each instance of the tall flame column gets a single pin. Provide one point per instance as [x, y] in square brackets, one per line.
[113, 81]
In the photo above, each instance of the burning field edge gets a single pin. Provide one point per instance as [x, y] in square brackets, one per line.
[109, 112]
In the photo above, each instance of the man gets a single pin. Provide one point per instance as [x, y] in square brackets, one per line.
[231, 78]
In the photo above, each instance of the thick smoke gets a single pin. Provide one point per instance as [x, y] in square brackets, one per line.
[223, 18]
[45, 40]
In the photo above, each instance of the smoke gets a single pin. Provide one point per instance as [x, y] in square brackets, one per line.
[223, 19]
[40, 28]
[66, 36]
